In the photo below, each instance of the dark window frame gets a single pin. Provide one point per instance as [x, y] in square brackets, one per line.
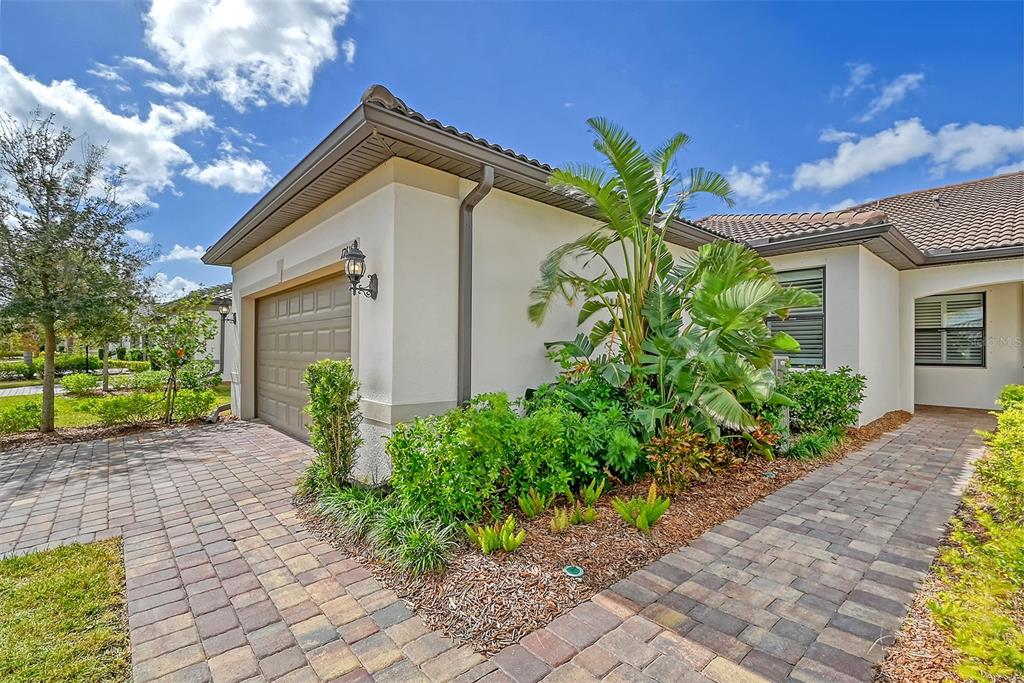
[811, 316]
[984, 334]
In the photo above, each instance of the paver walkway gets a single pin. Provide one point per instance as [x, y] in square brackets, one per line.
[31, 390]
[224, 583]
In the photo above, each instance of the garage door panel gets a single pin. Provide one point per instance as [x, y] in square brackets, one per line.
[294, 329]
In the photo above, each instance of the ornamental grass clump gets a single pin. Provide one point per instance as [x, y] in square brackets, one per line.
[334, 414]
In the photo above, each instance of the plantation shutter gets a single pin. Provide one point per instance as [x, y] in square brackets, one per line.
[949, 329]
[806, 325]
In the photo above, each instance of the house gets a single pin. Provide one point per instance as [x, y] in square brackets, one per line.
[221, 348]
[453, 227]
[922, 291]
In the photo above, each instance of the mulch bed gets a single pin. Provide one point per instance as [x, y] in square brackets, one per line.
[921, 651]
[65, 435]
[491, 602]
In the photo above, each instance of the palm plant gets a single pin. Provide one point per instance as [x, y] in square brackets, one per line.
[692, 338]
[614, 268]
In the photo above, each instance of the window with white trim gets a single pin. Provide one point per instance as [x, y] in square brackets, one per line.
[806, 325]
[949, 329]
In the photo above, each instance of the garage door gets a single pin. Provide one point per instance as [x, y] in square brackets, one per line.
[293, 329]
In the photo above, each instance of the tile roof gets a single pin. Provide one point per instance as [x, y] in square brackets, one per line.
[987, 213]
[378, 94]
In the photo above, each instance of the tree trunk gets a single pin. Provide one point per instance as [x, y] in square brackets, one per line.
[106, 366]
[51, 344]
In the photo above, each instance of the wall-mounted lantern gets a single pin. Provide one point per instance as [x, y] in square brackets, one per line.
[354, 261]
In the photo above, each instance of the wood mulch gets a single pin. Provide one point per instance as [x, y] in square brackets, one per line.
[491, 602]
[921, 651]
[64, 435]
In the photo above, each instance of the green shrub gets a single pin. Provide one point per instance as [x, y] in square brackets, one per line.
[80, 383]
[981, 573]
[334, 414]
[21, 417]
[16, 369]
[681, 456]
[198, 375]
[121, 353]
[1011, 396]
[452, 464]
[642, 513]
[135, 355]
[458, 464]
[131, 365]
[811, 445]
[499, 536]
[129, 409]
[64, 363]
[147, 380]
[190, 404]
[824, 399]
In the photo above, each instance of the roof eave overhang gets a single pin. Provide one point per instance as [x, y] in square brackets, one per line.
[881, 238]
[369, 119]
[884, 240]
[345, 137]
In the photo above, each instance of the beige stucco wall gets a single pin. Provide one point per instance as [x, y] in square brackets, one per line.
[974, 387]
[978, 387]
[861, 319]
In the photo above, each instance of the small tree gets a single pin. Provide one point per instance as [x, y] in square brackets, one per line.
[110, 312]
[179, 334]
[62, 231]
[334, 414]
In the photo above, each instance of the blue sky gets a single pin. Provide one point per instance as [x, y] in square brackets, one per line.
[807, 106]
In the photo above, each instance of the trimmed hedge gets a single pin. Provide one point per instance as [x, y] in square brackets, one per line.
[824, 399]
[981, 573]
[15, 370]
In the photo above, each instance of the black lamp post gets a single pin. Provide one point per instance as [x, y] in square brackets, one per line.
[224, 310]
[354, 261]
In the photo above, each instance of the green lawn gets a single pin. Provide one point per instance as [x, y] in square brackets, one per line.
[73, 411]
[62, 615]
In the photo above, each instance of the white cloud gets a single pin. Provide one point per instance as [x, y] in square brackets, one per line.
[892, 94]
[248, 52]
[752, 185]
[140, 236]
[568, 105]
[147, 146]
[142, 65]
[241, 175]
[165, 88]
[348, 47]
[1010, 168]
[960, 147]
[859, 74]
[180, 253]
[833, 135]
[105, 71]
[165, 288]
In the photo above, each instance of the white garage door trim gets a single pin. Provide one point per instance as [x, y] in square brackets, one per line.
[293, 329]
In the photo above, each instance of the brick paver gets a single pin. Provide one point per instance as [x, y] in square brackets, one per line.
[224, 584]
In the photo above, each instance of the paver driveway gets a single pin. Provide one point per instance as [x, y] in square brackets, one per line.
[224, 583]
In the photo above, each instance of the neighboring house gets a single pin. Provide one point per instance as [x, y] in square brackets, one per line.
[224, 341]
[922, 291]
[413, 192]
